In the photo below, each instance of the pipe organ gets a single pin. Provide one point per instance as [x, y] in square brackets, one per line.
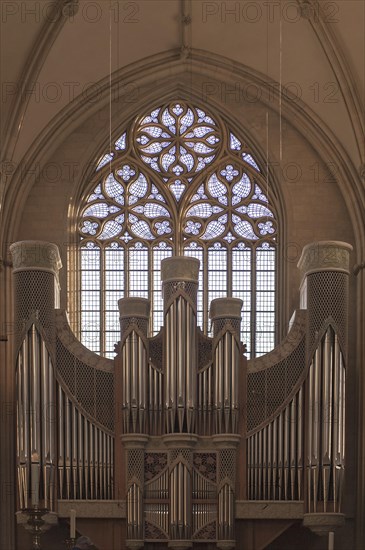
[180, 426]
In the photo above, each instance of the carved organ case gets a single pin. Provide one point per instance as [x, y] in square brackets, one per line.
[180, 427]
[180, 414]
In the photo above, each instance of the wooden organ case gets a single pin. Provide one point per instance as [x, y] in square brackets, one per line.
[185, 435]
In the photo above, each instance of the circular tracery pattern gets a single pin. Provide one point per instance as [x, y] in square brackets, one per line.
[230, 206]
[177, 140]
[126, 205]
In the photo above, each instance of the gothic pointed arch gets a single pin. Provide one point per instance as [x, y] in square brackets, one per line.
[177, 180]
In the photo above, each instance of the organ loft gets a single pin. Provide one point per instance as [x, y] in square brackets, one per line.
[180, 442]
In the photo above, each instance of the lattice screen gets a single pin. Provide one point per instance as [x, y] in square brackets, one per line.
[268, 389]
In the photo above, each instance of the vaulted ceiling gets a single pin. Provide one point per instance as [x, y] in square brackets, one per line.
[52, 51]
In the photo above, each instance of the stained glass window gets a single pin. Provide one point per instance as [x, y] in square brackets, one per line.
[177, 181]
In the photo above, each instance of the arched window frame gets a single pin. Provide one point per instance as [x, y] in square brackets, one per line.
[264, 177]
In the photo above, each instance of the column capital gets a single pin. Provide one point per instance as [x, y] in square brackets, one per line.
[225, 308]
[325, 256]
[180, 268]
[134, 307]
[134, 441]
[35, 255]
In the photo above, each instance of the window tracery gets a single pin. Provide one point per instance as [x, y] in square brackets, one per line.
[177, 181]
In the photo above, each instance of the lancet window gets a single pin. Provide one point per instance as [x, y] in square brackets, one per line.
[177, 181]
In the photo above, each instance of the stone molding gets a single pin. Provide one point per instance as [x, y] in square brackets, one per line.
[322, 523]
[35, 255]
[325, 256]
[180, 440]
[226, 441]
[269, 509]
[134, 441]
[93, 508]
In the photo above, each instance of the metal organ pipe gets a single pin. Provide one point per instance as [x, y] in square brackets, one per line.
[35, 268]
[134, 314]
[35, 422]
[180, 281]
[325, 266]
[226, 316]
[85, 455]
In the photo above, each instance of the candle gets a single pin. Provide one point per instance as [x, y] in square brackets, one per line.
[331, 540]
[35, 484]
[72, 524]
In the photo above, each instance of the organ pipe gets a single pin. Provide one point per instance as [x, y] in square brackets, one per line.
[180, 499]
[275, 455]
[325, 456]
[134, 313]
[324, 266]
[180, 277]
[35, 439]
[85, 454]
[226, 315]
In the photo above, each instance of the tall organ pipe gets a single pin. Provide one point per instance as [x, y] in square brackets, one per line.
[134, 314]
[180, 283]
[226, 316]
[35, 270]
[325, 267]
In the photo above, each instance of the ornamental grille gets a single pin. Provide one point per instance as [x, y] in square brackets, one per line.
[208, 532]
[152, 531]
[135, 466]
[34, 291]
[92, 388]
[66, 366]
[156, 351]
[227, 465]
[154, 464]
[268, 389]
[177, 181]
[223, 324]
[186, 454]
[206, 465]
[205, 347]
[103, 399]
[139, 322]
[172, 289]
[327, 297]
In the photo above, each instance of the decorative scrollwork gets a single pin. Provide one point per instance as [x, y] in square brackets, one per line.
[206, 465]
[154, 464]
[152, 532]
[208, 532]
